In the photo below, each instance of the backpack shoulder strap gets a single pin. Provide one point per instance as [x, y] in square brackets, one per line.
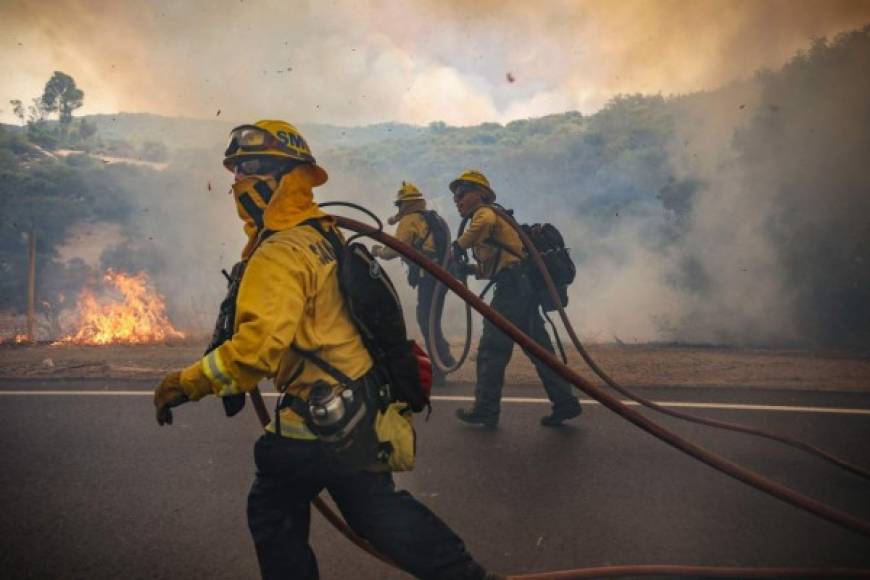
[439, 229]
[493, 242]
[325, 366]
[425, 215]
[338, 247]
[500, 245]
[328, 234]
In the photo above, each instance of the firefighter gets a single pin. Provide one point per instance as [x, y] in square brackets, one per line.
[426, 231]
[500, 257]
[289, 297]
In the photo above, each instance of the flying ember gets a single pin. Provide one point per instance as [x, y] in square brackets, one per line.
[137, 316]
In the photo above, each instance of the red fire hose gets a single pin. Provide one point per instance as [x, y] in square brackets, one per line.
[719, 463]
[551, 289]
[438, 297]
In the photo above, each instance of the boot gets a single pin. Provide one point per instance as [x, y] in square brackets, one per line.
[472, 417]
[561, 413]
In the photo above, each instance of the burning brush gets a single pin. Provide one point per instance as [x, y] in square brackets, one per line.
[139, 317]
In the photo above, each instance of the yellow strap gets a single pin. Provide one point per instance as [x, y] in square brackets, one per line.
[293, 428]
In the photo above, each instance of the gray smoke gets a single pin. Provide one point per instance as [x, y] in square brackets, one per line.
[354, 63]
[781, 225]
[736, 216]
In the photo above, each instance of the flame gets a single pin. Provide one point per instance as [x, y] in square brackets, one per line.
[140, 318]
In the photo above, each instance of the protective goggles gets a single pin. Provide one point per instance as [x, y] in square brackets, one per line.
[260, 165]
[250, 138]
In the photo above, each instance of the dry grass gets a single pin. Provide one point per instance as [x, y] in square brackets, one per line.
[635, 365]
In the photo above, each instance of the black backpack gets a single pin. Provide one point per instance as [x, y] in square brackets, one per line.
[374, 306]
[440, 232]
[550, 244]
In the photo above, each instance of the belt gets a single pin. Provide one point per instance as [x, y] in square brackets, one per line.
[297, 428]
[293, 428]
[510, 273]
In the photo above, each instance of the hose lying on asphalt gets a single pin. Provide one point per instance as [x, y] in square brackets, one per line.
[671, 570]
[609, 401]
[711, 459]
[538, 261]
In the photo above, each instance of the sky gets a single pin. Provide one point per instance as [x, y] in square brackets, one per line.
[360, 62]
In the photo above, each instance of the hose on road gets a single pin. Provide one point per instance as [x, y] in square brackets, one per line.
[539, 264]
[711, 459]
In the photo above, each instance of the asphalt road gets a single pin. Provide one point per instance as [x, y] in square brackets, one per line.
[91, 488]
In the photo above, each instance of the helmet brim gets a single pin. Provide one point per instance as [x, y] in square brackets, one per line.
[456, 183]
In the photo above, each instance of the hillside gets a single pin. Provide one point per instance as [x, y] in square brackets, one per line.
[734, 216]
[184, 133]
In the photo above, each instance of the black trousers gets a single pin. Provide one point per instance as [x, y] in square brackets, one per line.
[291, 473]
[425, 295]
[514, 299]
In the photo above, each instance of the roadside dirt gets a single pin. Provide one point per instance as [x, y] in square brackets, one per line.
[634, 365]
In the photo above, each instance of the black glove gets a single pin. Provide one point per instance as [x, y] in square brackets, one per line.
[458, 253]
[464, 269]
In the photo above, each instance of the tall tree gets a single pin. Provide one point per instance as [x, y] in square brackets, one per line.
[61, 95]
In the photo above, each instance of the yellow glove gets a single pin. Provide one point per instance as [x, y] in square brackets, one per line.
[168, 394]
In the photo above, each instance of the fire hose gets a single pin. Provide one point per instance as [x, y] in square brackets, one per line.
[711, 459]
[438, 297]
[541, 267]
[538, 262]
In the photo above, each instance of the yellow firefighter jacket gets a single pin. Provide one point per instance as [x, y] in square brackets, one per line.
[289, 295]
[414, 231]
[484, 232]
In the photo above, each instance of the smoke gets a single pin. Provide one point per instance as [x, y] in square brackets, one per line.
[353, 63]
[189, 226]
[177, 225]
[737, 216]
[780, 225]
[753, 228]
[762, 235]
[621, 291]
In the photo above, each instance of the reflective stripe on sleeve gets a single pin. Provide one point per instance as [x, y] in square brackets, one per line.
[217, 374]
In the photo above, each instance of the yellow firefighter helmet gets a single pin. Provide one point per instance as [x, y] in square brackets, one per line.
[408, 192]
[475, 178]
[270, 139]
